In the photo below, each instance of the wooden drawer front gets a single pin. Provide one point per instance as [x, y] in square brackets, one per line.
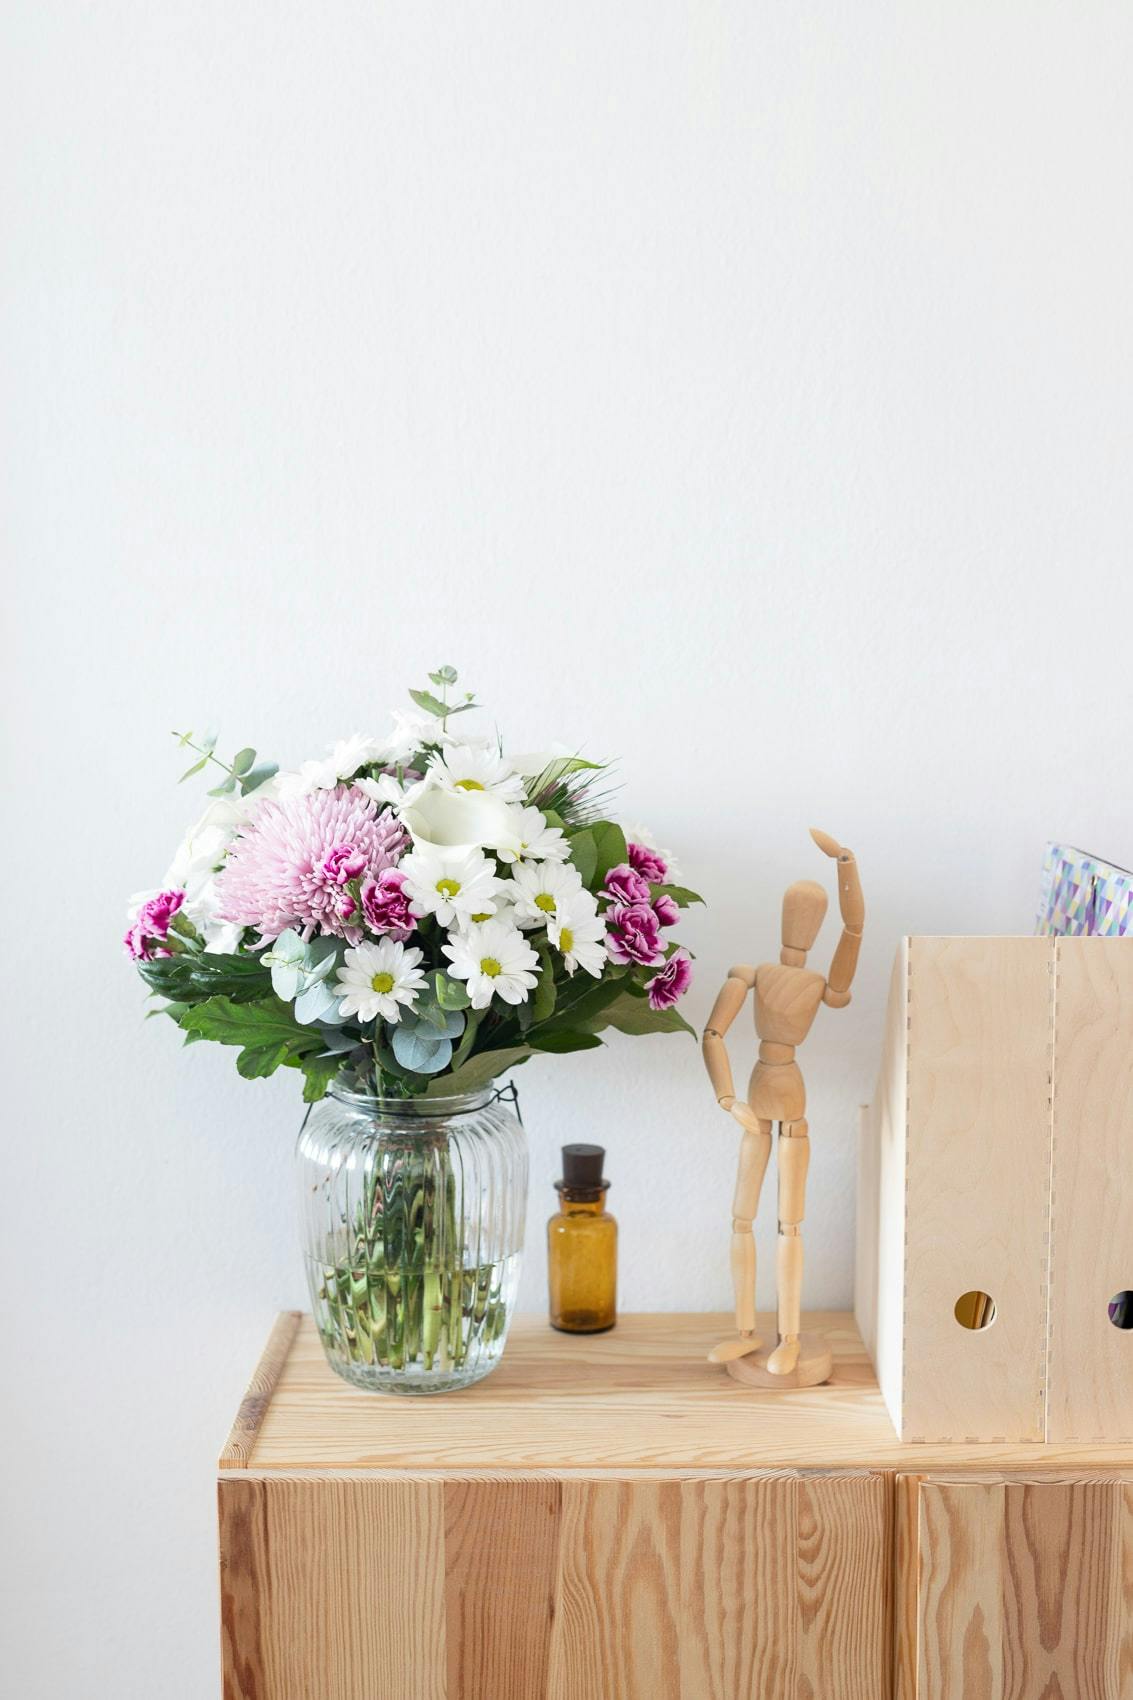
[1014, 1588]
[770, 1587]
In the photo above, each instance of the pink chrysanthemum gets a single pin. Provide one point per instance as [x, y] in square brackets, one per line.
[290, 865]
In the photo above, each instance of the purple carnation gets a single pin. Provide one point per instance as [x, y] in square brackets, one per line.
[667, 910]
[144, 938]
[648, 863]
[385, 905]
[634, 934]
[344, 863]
[672, 982]
[288, 865]
[624, 885]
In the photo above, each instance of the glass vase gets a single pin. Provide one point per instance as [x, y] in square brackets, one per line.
[413, 1213]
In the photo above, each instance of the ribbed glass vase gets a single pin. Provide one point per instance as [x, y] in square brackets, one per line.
[413, 1213]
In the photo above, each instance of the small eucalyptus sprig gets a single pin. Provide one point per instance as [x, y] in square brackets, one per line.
[243, 771]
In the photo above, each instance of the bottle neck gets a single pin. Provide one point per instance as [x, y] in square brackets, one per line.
[580, 1201]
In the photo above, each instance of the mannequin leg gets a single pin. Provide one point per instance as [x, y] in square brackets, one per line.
[794, 1157]
[755, 1151]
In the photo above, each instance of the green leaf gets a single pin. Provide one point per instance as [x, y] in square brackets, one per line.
[680, 894]
[430, 703]
[254, 1026]
[226, 786]
[318, 1073]
[191, 978]
[610, 846]
[584, 855]
[444, 676]
[633, 1015]
[256, 1061]
[416, 1050]
[471, 1027]
[582, 1004]
[478, 1071]
[242, 761]
[196, 768]
[450, 994]
[546, 993]
[258, 776]
[564, 1041]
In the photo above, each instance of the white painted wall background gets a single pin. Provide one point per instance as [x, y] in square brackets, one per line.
[739, 389]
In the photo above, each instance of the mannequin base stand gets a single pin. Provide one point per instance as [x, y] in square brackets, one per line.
[814, 1366]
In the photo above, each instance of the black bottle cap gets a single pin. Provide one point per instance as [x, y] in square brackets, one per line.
[582, 1167]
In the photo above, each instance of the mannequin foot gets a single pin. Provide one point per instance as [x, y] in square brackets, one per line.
[785, 1358]
[729, 1350]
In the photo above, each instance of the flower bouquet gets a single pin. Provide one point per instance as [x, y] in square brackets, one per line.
[404, 922]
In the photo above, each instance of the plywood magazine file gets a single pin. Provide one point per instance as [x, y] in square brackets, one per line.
[996, 1174]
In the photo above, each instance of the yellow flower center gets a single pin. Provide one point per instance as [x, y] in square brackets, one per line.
[484, 917]
[490, 967]
[566, 940]
[469, 785]
[382, 982]
[545, 902]
[448, 888]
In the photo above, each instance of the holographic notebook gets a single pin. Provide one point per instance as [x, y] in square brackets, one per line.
[1082, 894]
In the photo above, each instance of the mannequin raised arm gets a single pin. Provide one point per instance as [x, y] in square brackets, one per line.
[852, 906]
[733, 995]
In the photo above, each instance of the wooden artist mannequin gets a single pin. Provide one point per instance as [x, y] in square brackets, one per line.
[787, 997]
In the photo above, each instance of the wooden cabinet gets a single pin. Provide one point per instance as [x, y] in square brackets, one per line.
[612, 1518]
[1015, 1586]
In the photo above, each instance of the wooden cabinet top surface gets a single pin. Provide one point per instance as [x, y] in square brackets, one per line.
[640, 1398]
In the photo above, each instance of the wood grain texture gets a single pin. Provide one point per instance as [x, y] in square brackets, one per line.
[1022, 1590]
[616, 1632]
[332, 1590]
[763, 1588]
[879, 1270]
[1090, 1361]
[641, 1398]
[980, 1035]
[501, 1569]
[242, 1435]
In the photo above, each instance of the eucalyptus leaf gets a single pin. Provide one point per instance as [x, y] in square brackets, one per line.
[430, 703]
[423, 1055]
[315, 1003]
[335, 1040]
[243, 761]
[227, 785]
[196, 768]
[258, 776]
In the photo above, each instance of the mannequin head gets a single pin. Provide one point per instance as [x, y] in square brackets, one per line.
[804, 910]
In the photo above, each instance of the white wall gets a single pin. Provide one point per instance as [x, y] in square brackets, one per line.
[738, 389]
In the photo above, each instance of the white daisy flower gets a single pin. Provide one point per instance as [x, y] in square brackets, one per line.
[496, 961]
[531, 839]
[466, 767]
[343, 762]
[578, 931]
[539, 888]
[385, 789]
[379, 979]
[453, 885]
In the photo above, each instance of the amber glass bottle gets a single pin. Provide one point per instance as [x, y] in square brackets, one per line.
[582, 1247]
